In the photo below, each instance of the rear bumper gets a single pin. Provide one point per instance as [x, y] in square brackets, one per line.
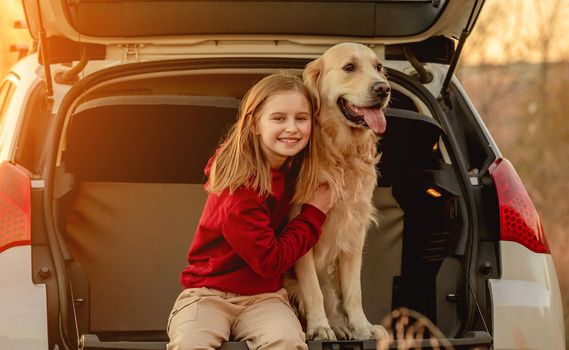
[475, 340]
[527, 307]
[23, 305]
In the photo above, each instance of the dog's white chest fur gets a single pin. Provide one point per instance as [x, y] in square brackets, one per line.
[351, 215]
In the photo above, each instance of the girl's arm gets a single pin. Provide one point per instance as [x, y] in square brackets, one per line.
[247, 229]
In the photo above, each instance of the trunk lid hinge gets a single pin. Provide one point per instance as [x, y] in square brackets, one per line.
[474, 14]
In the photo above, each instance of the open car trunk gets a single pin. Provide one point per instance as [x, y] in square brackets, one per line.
[131, 194]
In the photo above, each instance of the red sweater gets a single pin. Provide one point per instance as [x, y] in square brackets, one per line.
[243, 242]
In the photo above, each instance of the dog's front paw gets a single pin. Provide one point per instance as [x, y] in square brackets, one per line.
[342, 332]
[340, 327]
[369, 331]
[320, 332]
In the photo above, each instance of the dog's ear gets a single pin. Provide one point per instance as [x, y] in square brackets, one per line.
[311, 77]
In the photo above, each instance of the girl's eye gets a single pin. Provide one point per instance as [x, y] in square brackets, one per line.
[379, 67]
[349, 67]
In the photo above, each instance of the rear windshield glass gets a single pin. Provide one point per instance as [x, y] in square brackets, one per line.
[335, 18]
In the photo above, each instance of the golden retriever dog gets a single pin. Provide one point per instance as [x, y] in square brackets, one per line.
[351, 90]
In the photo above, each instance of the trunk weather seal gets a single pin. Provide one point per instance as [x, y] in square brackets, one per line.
[470, 251]
[58, 252]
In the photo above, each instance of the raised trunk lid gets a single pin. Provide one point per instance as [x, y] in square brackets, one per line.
[183, 23]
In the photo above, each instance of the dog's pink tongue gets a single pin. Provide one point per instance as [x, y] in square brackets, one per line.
[375, 119]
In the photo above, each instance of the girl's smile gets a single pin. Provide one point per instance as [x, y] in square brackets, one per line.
[289, 140]
[284, 126]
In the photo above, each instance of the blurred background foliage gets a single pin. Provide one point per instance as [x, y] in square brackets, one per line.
[515, 67]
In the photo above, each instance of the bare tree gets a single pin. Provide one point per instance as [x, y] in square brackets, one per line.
[489, 70]
[547, 18]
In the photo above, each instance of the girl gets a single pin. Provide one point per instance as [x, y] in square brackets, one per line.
[243, 242]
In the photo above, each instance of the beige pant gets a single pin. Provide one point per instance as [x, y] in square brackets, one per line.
[203, 318]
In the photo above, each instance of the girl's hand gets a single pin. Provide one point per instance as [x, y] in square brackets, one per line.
[322, 198]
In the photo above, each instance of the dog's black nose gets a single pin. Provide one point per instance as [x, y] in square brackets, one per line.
[381, 89]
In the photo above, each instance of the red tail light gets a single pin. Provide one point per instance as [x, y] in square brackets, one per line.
[15, 206]
[519, 221]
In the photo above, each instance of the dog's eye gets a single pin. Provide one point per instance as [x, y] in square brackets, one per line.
[379, 67]
[349, 67]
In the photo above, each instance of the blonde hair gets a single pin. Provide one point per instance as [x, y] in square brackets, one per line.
[240, 160]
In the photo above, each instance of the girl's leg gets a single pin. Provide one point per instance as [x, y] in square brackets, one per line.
[200, 319]
[268, 322]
